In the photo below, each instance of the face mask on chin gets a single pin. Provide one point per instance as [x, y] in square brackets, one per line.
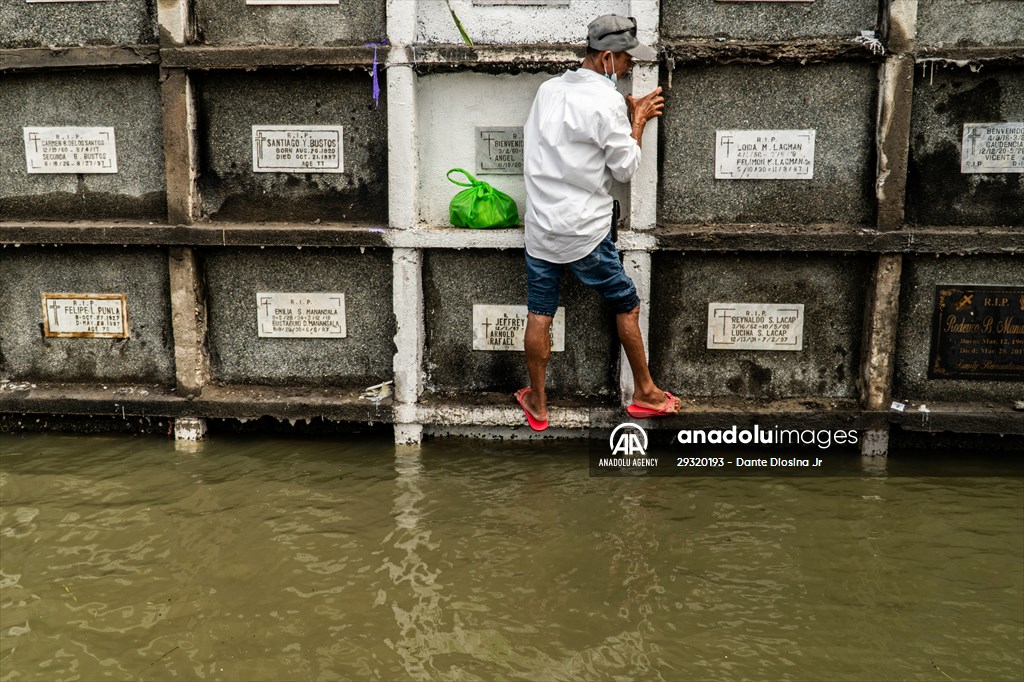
[613, 77]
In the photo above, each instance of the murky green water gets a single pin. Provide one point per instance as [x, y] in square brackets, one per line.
[276, 559]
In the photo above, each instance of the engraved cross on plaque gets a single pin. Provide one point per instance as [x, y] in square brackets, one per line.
[55, 307]
[487, 136]
[265, 303]
[487, 328]
[727, 143]
[973, 137]
[725, 314]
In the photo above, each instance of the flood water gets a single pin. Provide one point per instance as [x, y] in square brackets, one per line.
[244, 558]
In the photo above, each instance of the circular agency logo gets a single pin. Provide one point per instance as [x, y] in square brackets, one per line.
[628, 439]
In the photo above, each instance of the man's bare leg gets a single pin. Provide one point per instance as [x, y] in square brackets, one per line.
[538, 352]
[645, 392]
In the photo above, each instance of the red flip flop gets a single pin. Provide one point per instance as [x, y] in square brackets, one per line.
[640, 412]
[535, 424]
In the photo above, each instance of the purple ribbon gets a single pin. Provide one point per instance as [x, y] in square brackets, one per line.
[376, 82]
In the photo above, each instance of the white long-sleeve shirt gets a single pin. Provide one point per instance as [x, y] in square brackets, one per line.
[576, 139]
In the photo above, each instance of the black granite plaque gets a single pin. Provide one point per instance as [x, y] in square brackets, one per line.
[978, 333]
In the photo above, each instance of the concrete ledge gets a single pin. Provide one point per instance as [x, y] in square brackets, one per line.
[128, 400]
[839, 238]
[337, 404]
[707, 50]
[323, 234]
[228, 402]
[667, 237]
[519, 432]
[509, 238]
[552, 58]
[431, 58]
[960, 418]
[456, 238]
[963, 55]
[452, 415]
[78, 57]
[91, 232]
[239, 57]
[499, 409]
[203, 234]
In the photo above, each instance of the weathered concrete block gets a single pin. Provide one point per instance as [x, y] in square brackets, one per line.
[832, 289]
[921, 274]
[874, 443]
[128, 100]
[455, 281]
[231, 22]
[25, 353]
[68, 24]
[836, 100]
[232, 103]
[969, 22]
[767, 21]
[239, 355]
[945, 98]
[509, 24]
[189, 428]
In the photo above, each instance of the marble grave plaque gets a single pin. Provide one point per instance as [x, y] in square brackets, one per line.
[499, 151]
[992, 148]
[301, 315]
[755, 326]
[88, 316]
[70, 150]
[764, 154]
[297, 149]
[503, 327]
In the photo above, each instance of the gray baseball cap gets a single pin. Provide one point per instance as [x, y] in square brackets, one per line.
[618, 34]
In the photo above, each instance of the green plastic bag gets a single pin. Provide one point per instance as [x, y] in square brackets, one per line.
[481, 205]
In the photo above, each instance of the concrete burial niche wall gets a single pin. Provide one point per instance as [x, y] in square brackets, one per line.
[946, 98]
[921, 276]
[455, 281]
[835, 100]
[767, 20]
[236, 22]
[128, 101]
[140, 273]
[454, 110]
[69, 24]
[970, 22]
[231, 103]
[240, 355]
[510, 22]
[831, 288]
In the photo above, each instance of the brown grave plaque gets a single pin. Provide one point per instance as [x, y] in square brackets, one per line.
[978, 333]
[85, 316]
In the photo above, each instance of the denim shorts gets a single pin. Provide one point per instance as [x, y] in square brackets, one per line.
[600, 270]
